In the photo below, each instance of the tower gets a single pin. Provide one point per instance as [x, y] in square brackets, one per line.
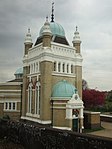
[27, 45]
[28, 42]
[78, 67]
[46, 72]
[52, 76]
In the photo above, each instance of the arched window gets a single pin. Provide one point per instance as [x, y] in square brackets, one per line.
[71, 68]
[63, 67]
[67, 68]
[31, 68]
[29, 97]
[59, 67]
[37, 98]
[54, 66]
[36, 66]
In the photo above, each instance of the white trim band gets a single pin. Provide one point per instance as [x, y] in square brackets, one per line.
[36, 120]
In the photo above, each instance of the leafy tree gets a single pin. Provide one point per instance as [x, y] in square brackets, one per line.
[84, 85]
[93, 98]
[109, 96]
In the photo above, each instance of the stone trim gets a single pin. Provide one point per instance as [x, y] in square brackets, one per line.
[63, 128]
[36, 120]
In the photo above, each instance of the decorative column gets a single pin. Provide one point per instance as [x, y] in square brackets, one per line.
[81, 127]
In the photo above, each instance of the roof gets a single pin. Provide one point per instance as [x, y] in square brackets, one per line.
[10, 83]
[63, 89]
[59, 39]
[19, 71]
[56, 29]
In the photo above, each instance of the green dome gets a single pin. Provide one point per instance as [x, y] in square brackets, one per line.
[63, 89]
[19, 71]
[56, 29]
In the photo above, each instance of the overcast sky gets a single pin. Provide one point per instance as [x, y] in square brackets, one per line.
[94, 21]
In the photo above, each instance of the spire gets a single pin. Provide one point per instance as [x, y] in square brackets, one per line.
[52, 15]
[46, 27]
[28, 38]
[76, 41]
[46, 18]
[76, 38]
[76, 28]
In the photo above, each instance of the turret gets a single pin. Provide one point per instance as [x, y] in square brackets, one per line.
[28, 42]
[47, 34]
[76, 41]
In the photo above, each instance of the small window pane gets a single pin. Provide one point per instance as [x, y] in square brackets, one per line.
[14, 106]
[71, 68]
[54, 66]
[59, 65]
[6, 105]
[9, 105]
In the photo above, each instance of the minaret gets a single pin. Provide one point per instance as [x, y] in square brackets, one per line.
[78, 70]
[76, 41]
[46, 34]
[46, 75]
[78, 67]
[28, 42]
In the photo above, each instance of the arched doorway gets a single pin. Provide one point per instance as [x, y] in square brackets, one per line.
[74, 113]
[75, 120]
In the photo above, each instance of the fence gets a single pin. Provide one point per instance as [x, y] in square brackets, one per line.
[34, 137]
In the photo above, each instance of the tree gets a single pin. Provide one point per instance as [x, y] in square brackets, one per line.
[93, 98]
[109, 96]
[84, 85]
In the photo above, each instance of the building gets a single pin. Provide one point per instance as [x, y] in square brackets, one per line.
[10, 96]
[52, 78]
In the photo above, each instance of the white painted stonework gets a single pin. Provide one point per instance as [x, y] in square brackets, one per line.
[74, 103]
[58, 53]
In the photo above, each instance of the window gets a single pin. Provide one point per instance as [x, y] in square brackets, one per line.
[29, 97]
[71, 68]
[36, 66]
[37, 98]
[54, 66]
[11, 106]
[59, 65]
[63, 67]
[6, 105]
[67, 68]
[14, 105]
[31, 67]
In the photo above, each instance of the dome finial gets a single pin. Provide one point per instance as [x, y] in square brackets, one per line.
[77, 36]
[28, 30]
[76, 28]
[28, 38]
[52, 15]
[46, 18]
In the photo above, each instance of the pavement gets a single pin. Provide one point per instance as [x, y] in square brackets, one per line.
[106, 132]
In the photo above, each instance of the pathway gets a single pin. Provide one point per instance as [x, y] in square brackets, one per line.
[106, 132]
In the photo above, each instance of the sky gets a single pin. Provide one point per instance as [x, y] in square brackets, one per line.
[94, 21]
